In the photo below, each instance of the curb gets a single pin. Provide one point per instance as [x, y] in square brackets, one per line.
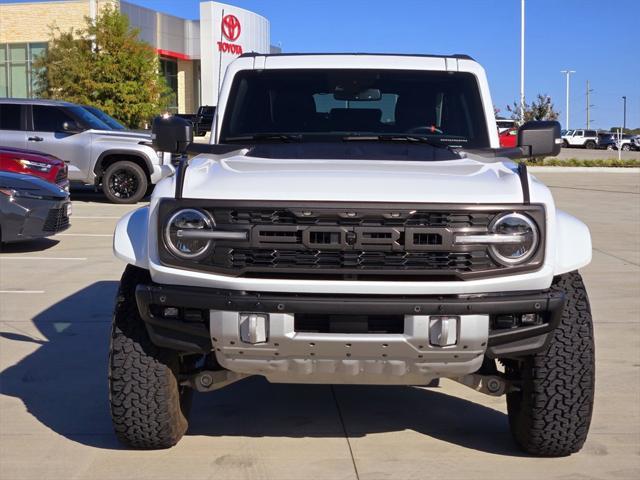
[584, 169]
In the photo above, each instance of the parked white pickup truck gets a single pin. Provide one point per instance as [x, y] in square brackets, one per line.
[354, 221]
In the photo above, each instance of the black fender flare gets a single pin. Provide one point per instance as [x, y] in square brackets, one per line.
[98, 170]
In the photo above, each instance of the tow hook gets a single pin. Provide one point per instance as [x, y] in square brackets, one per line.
[494, 385]
[209, 380]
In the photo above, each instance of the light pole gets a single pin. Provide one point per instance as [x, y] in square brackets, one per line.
[624, 118]
[522, 9]
[567, 73]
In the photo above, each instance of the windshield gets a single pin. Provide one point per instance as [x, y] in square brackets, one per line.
[107, 119]
[335, 104]
[87, 119]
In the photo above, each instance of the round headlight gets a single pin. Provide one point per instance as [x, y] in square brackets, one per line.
[188, 220]
[525, 238]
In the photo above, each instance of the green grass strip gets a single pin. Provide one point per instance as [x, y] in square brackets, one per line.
[580, 162]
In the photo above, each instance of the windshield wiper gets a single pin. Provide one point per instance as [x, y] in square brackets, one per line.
[398, 138]
[277, 137]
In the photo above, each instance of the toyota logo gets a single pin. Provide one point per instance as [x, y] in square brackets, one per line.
[231, 27]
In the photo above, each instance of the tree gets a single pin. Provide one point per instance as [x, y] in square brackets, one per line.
[540, 109]
[105, 65]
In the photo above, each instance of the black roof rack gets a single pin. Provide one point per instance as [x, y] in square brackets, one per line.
[299, 54]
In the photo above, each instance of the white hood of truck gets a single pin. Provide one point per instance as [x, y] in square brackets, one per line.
[238, 177]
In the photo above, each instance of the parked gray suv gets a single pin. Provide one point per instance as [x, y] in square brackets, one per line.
[122, 162]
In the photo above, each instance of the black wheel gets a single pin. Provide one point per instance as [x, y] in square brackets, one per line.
[626, 147]
[565, 144]
[124, 182]
[149, 409]
[551, 413]
[590, 145]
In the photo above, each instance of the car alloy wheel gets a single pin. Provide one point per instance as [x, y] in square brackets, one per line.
[123, 184]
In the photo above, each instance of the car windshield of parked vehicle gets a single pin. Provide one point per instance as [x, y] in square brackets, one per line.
[440, 108]
[106, 118]
[87, 119]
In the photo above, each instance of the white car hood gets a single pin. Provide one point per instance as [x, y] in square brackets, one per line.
[238, 177]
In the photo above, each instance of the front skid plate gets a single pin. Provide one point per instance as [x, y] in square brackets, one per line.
[384, 359]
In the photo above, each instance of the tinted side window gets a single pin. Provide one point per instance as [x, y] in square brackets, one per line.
[579, 133]
[591, 133]
[49, 119]
[10, 116]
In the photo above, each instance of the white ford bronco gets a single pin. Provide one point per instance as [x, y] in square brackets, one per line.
[354, 221]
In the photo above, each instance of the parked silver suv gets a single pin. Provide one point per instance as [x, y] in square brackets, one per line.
[122, 162]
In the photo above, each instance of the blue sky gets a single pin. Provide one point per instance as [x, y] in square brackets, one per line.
[599, 40]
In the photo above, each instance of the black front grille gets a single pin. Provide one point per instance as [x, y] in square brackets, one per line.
[243, 259]
[301, 216]
[56, 220]
[350, 240]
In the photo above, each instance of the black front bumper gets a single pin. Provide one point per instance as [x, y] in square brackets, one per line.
[28, 219]
[193, 336]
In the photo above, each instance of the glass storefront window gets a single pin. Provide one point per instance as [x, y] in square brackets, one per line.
[17, 77]
[169, 70]
[4, 91]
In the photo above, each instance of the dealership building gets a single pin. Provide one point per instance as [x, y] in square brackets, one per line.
[193, 53]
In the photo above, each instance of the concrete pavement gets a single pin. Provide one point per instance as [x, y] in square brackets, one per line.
[55, 309]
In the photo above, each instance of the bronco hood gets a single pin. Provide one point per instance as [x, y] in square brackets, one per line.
[464, 180]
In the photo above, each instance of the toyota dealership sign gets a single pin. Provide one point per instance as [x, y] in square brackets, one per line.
[225, 33]
[231, 30]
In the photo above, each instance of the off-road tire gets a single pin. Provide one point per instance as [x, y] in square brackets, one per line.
[590, 145]
[149, 409]
[565, 144]
[550, 415]
[626, 147]
[136, 173]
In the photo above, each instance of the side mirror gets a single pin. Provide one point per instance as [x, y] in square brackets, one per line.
[539, 139]
[171, 134]
[71, 127]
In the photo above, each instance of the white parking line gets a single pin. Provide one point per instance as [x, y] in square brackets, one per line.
[21, 291]
[84, 235]
[17, 257]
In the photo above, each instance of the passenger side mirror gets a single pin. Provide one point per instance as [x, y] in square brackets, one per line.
[539, 139]
[71, 127]
[171, 134]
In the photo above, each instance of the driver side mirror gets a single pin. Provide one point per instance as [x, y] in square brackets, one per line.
[71, 127]
[539, 139]
[171, 134]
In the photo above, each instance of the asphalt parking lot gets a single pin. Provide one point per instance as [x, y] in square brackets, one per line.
[55, 305]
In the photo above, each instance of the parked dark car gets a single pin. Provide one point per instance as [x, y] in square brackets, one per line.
[31, 208]
[609, 141]
[201, 121]
[41, 165]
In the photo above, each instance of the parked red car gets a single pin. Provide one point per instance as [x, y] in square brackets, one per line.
[47, 167]
[509, 138]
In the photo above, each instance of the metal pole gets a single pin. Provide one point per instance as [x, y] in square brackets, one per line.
[522, 11]
[567, 73]
[624, 120]
[588, 110]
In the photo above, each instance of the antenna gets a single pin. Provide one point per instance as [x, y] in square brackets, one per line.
[215, 124]
[220, 56]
